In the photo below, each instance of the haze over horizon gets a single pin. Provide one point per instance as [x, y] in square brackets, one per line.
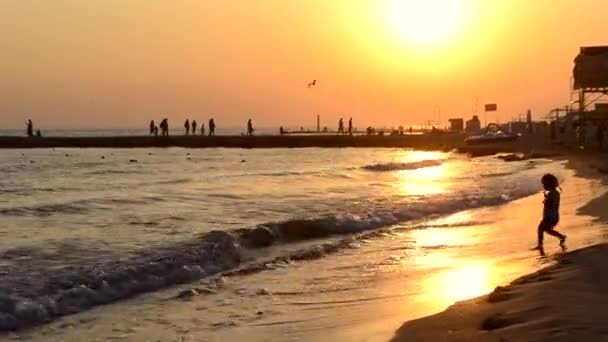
[120, 63]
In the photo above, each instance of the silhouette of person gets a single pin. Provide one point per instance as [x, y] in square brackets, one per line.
[202, 129]
[281, 130]
[249, 127]
[211, 127]
[155, 130]
[165, 127]
[341, 126]
[187, 126]
[38, 133]
[350, 126]
[550, 211]
[152, 125]
[30, 128]
[601, 129]
[194, 127]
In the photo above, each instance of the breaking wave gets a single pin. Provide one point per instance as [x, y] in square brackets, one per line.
[35, 297]
[392, 166]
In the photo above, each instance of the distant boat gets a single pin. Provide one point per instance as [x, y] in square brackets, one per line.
[491, 135]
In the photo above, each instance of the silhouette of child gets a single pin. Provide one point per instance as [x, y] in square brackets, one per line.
[550, 211]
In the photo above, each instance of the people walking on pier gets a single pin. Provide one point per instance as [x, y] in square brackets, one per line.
[341, 126]
[152, 127]
[350, 126]
[203, 129]
[164, 127]
[249, 127]
[30, 128]
[187, 126]
[194, 127]
[211, 127]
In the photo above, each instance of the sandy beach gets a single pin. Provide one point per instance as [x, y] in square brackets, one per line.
[562, 302]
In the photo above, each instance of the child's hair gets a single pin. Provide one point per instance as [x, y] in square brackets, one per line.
[549, 181]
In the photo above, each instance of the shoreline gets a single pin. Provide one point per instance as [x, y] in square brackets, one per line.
[561, 302]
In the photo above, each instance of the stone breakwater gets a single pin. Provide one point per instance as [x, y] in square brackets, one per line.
[433, 141]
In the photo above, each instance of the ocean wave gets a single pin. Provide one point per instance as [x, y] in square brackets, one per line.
[285, 173]
[8, 191]
[496, 174]
[80, 207]
[393, 166]
[225, 196]
[111, 172]
[312, 228]
[73, 289]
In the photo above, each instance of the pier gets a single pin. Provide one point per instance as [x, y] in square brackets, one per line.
[429, 140]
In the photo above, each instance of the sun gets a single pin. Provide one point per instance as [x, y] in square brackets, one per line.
[426, 22]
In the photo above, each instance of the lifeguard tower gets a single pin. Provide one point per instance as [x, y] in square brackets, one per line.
[590, 86]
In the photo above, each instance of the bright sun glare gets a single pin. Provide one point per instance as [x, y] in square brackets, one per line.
[426, 22]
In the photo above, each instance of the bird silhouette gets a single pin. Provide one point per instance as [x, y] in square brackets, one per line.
[313, 83]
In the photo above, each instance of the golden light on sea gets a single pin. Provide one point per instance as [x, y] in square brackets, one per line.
[467, 281]
[425, 180]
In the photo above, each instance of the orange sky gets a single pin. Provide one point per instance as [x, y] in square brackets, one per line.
[120, 63]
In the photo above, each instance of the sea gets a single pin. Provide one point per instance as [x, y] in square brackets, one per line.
[83, 227]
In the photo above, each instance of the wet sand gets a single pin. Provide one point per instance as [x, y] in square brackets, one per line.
[563, 302]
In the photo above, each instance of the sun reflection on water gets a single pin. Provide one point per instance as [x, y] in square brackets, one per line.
[426, 180]
[457, 283]
[465, 282]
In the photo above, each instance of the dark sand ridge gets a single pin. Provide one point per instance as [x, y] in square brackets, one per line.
[563, 302]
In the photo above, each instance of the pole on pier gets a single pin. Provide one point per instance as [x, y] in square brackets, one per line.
[318, 123]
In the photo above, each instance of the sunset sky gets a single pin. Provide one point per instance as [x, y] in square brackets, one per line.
[120, 63]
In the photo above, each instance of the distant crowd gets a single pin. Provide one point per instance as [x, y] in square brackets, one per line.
[190, 128]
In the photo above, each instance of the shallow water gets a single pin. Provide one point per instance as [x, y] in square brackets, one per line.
[89, 217]
[97, 197]
[361, 293]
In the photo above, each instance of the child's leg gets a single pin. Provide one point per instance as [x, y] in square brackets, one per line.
[555, 233]
[541, 229]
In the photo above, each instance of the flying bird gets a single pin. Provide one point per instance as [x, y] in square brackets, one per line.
[313, 83]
